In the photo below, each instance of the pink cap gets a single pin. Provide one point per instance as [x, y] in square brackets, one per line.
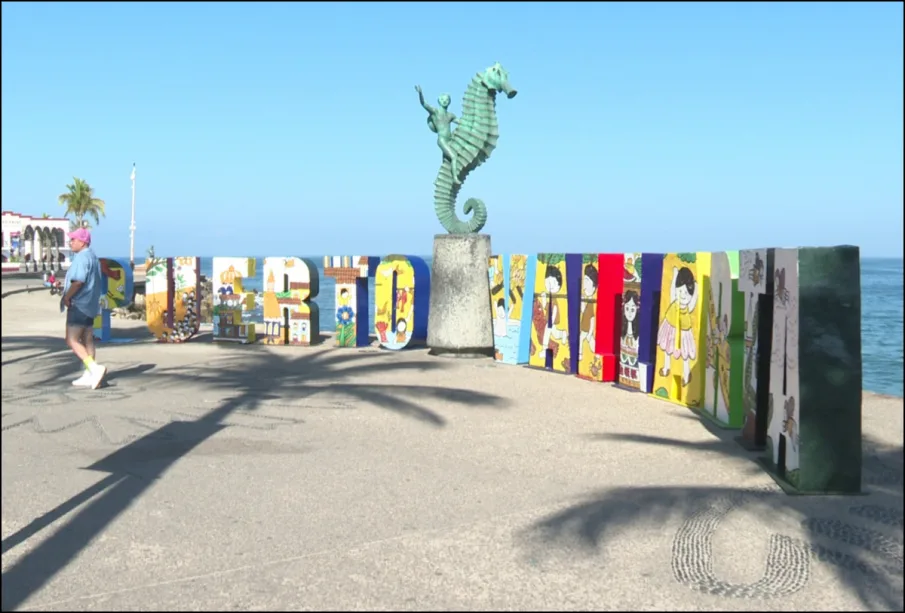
[81, 234]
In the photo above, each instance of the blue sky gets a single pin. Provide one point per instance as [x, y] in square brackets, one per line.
[281, 129]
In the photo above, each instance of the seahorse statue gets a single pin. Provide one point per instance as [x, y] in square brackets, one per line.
[471, 143]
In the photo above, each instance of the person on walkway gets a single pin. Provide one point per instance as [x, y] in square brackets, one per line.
[81, 297]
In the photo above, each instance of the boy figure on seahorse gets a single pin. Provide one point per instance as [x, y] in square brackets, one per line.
[676, 334]
[466, 147]
[440, 121]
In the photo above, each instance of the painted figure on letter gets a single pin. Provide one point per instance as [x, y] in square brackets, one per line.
[631, 302]
[517, 282]
[676, 335]
[588, 321]
[549, 319]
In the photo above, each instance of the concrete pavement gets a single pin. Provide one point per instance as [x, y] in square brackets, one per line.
[13, 284]
[253, 478]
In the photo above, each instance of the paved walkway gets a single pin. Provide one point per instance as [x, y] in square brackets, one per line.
[207, 477]
[14, 284]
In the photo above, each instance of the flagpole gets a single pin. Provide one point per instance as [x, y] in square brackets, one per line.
[132, 226]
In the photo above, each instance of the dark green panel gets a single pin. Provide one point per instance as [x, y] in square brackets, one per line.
[829, 362]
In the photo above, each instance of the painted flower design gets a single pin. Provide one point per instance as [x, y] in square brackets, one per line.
[344, 315]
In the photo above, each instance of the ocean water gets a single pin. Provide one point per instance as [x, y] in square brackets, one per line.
[881, 325]
[881, 316]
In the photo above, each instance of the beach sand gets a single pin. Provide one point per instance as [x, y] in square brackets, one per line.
[207, 476]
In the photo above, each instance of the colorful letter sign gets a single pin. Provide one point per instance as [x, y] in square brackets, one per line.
[351, 297]
[289, 316]
[172, 298]
[117, 292]
[402, 297]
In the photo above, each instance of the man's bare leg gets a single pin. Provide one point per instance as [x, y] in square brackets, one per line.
[80, 339]
[88, 341]
[85, 379]
[74, 340]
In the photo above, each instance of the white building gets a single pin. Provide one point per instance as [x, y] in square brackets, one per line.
[37, 241]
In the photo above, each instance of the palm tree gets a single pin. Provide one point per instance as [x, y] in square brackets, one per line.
[81, 203]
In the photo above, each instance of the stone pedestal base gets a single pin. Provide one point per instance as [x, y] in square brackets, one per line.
[459, 320]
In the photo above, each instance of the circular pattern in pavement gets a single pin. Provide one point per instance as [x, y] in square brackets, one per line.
[787, 568]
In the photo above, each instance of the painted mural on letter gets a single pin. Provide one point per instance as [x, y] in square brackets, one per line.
[549, 346]
[351, 297]
[724, 342]
[172, 291]
[510, 311]
[289, 317]
[649, 316]
[753, 283]
[186, 298]
[680, 336]
[590, 363]
[630, 334]
[784, 380]
[232, 300]
[117, 292]
[156, 290]
[402, 282]
[499, 313]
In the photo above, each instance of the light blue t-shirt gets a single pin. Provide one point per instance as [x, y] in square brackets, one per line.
[86, 268]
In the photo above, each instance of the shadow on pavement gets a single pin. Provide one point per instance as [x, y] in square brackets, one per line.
[859, 537]
[33, 348]
[125, 373]
[51, 351]
[248, 376]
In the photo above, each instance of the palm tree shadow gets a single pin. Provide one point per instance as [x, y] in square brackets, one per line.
[869, 567]
[125, 373]
[52, 357]
[32, 348]
[249, 378]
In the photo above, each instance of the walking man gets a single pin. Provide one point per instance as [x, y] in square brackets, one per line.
[81, 297]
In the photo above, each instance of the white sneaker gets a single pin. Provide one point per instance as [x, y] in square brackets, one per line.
[96, 376]
[84, 380]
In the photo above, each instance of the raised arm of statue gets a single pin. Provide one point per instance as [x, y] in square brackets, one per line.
[424, 104]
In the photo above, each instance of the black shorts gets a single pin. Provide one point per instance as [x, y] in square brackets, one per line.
[76, 319]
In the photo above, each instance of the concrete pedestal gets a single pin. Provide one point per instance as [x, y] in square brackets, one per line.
[459, 321]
